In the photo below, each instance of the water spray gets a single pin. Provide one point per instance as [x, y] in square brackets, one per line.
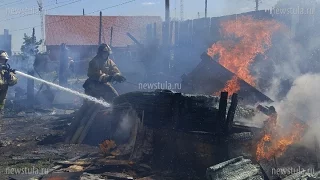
[105, 104]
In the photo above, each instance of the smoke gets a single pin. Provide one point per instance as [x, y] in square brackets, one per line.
[290, 73]
[302, 102]
[128, 121]
[302, 98]
[294, 50]
[282, 66]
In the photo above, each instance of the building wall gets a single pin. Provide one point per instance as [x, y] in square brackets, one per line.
[5, 42]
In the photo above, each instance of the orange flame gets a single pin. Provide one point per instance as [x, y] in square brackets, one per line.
[248, 37]
[106, 146]
[232, 86]
[273, 145]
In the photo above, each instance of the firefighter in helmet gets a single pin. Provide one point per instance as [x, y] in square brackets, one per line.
[102, 72]
[6, 79]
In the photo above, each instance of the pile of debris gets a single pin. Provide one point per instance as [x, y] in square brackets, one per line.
[241, 168]
[148, 135]
[163, 128]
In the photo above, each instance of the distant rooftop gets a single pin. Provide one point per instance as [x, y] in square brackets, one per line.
[84, 30]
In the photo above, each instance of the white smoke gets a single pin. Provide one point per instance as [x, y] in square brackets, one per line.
[127, 125]
[302, 102]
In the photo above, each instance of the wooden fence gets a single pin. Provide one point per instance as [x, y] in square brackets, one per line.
[186, 40]
[197, 31]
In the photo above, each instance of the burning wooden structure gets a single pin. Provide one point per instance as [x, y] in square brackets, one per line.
[210, 77]
[195, 129]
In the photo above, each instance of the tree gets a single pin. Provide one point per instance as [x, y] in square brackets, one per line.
[30, 46]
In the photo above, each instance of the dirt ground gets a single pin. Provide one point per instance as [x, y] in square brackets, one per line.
[31, 142]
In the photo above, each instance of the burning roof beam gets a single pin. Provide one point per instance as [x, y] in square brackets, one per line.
[209, 77]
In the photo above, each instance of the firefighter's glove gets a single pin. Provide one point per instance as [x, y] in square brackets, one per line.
[3, 67]
[106, 79]
[118, 78]
[7, 75]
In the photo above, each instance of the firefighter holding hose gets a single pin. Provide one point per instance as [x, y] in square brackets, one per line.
[102, 72]
[7, 78]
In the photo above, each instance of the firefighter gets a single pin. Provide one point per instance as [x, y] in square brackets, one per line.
[102, 72]
[6, 79]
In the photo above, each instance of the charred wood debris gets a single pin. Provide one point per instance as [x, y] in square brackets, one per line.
[148, 136]
[171, 136]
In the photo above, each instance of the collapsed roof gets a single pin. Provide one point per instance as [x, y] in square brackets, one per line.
[210, 77]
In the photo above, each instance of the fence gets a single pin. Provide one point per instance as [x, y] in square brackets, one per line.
[185, 41]
[195, 32]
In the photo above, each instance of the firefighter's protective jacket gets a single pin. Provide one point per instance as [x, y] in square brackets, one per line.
[5, 82]
[99, 69]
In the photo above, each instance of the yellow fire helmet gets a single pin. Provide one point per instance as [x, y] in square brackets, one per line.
[4, 55]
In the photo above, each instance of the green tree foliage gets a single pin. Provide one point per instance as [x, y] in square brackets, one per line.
[30, 46]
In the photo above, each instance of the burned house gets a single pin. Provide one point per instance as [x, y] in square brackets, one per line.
[210, 77]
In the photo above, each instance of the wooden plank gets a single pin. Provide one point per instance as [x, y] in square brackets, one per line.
[63, 175]
[190, 32]
[78, 163]
[82, 124]
[222, 111]
[176, 33]
[171, 35]
[149, 33]
[317, 152]
[215, 30]
[154, 31]
[118, 176]
[200, 33]
[59, 166]
[164, 34]
[76, 122]
[88, 125]
[114, 162]
[184, 33]
[267, 167]
[231, 113]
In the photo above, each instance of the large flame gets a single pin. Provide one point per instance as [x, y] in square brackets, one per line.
[232, 86]
[246, 38]
[274, 143]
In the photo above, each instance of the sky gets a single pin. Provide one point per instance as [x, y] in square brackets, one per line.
[19, 16]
